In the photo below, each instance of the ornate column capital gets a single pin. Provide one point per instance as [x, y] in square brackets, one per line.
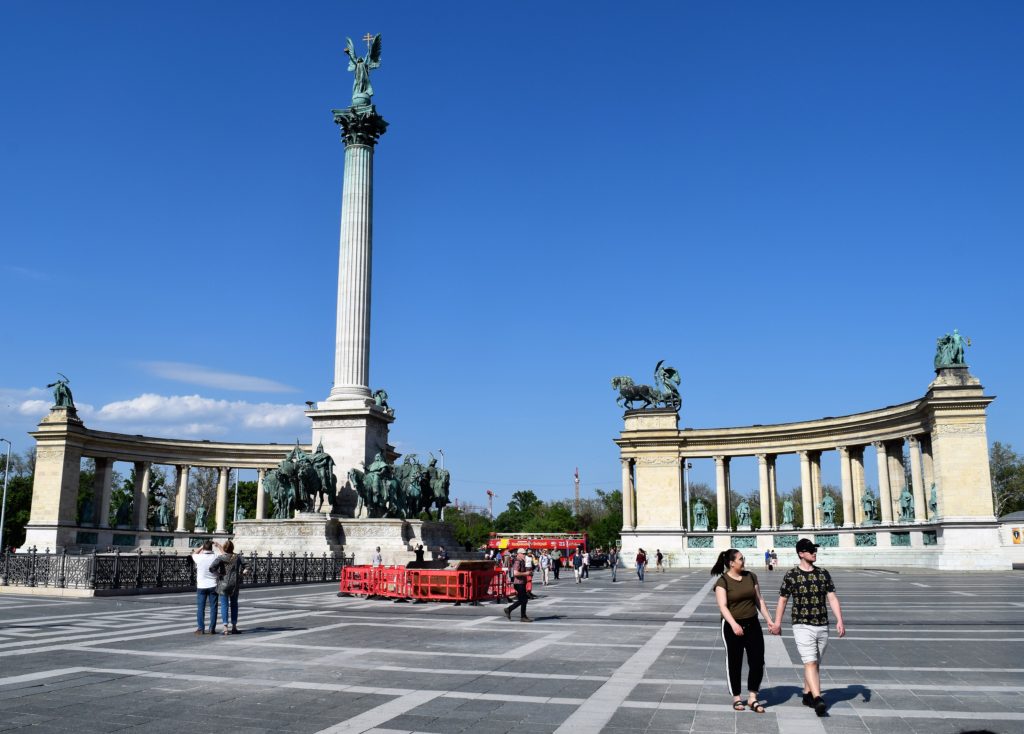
[804, 455]
[843, 450]
[360, 125]
[912, 440]
[879, 445]
[719, 459]
[762, 458]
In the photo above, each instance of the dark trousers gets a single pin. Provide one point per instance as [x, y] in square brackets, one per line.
[752, 641]
[521, 598]
[557, 566]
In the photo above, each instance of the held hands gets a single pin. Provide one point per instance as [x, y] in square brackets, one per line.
[774, 629]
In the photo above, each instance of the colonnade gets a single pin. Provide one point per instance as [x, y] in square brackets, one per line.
[891, 484]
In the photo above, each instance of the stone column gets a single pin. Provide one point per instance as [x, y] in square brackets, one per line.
[142, 476]
[772, 489]
[721, 490]
[628, 496]
[857, 470]
[805, 490]
[927, 469]
[884, 494]
[101, 491]
[261, 497]
[816, 486]
[917, 480]
[181, 502]
[846, 480]
[222, 499]
[361, 127]
[897, 476]
[762, 480]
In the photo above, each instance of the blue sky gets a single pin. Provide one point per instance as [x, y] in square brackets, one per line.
[787, 202]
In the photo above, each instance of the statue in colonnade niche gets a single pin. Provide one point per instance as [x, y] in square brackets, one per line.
[700, 515]
[200, 525]
[933, 501]
[124, 512]
[240, 513]
[163, 513]
[743, 514]
[906, 505]
[869, 504]
[62, 393]
[787, 512]
[828, 511]
[87, 514]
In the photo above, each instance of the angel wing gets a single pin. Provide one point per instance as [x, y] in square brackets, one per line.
[374, 54]
[350, 51]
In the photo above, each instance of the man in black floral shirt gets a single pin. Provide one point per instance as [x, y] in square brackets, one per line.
[811, 587]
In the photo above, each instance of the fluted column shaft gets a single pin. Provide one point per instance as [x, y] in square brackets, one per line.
[142, 475]
[857, 467]
[721, 490]
[917, 480]
[762, 480]
[352, 344]
[628, 517]
[102, 486]
[805, 490]
[261, 499]
[772, 490]
[181, 503]
[884, 494]
[222, 499]
[846, 480]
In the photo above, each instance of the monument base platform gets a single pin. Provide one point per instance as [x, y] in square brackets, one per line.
[359, 537]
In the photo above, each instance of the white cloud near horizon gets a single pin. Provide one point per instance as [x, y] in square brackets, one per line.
[194, 374]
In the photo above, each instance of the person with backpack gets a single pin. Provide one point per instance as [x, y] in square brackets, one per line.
[577, 566]
[229, 568]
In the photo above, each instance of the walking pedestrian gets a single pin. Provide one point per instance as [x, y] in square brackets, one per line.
[641, 564]
[577, 566]
[556, 562]
[811, 588]
[767, 560]
[613, 561]
[206, 586]
[229, 567]
[586, 564]
[519, 575]
[660, 560]
[377, 559]
[739, 599]
[775, 559]
[545, 566]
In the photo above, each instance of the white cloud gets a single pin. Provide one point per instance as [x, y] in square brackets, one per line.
[194, 415]
[194, 374]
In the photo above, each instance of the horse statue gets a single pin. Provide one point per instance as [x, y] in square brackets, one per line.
[355, 478]
[440, 481]
[282, 493]
[630, 392]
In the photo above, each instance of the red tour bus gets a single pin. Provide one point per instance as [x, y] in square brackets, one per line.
[565, 542]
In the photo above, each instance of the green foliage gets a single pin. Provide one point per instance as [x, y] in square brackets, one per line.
[468, 527]
[1007, 469]
[600, 517]
[19, 496]
[246, 501]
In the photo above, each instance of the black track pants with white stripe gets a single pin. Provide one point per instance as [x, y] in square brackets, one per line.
[752, 642]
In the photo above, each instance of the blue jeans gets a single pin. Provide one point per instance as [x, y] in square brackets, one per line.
[640, 570]
[613, 571]
[202, 595]
[226, 601]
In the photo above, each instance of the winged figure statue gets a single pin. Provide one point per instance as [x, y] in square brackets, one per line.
[362, 90]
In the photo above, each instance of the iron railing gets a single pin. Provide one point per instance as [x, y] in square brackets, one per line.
[157, 570]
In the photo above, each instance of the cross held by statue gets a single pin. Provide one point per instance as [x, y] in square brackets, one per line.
[368, 38]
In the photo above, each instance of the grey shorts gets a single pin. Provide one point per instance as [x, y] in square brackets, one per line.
[810, 642]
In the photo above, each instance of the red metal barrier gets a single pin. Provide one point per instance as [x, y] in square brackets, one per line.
[396, 582]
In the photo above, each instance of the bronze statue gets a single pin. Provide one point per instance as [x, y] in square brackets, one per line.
[362, 90]
[665, 391]
[700, 515]
[743, 513]
[787, 512]
[828, 511]
[949, 350]
[668, 379]
[933, 501]
[323, 464]
[200, 526]
[62, 393]
[906, 505]
[380, 399]
[163, 513]
[867, 501]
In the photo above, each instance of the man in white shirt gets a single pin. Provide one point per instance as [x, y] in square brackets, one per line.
[378, 559]
[206, 586]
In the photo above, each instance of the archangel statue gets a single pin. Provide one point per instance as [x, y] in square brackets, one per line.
[362, 90]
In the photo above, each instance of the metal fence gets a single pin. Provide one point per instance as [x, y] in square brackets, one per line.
[158, 570]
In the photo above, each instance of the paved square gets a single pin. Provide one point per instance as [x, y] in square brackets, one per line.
[925, 652]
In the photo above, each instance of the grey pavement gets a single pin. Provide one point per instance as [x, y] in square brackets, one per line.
[924, 652]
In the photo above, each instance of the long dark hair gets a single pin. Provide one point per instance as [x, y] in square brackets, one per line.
[724, 559]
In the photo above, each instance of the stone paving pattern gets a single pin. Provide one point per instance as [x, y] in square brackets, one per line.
[925, 652]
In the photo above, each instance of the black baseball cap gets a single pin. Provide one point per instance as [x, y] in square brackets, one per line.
[804, 545]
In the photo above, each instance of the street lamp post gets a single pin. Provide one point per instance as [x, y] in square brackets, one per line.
[3, 506]
[686, 480]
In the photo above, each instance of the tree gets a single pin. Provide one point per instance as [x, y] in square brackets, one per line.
[19, 496]
[1007, 470]
[472, 528]
[604, 531]
[202, 492]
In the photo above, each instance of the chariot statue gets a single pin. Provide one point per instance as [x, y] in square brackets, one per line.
[664, 392]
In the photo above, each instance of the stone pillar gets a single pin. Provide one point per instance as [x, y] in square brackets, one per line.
[53, 517]
[222, 499]
[816, 486]
[917, 480]
[628, 517]
[143, 470]
[361, 127]
[181, 502]
[846, 482]
[927, 469]
[721, 490]
[857, 471]
[774, 502]
[805, 490]
[884, 494]
[261, 497]
[897, 476]
[762, 481]
[101, 491]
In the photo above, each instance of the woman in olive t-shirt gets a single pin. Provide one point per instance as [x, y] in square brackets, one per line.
[739, 599]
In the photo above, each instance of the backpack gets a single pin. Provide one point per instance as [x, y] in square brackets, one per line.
[227, 574]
